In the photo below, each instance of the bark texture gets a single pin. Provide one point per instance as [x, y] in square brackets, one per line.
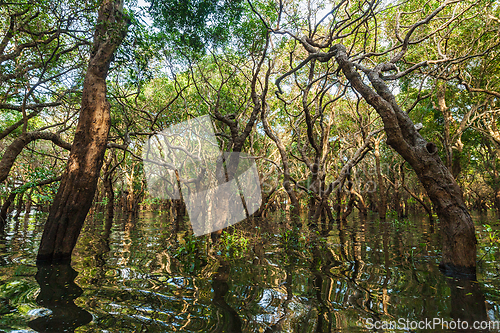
[457, 228]
[79, 182]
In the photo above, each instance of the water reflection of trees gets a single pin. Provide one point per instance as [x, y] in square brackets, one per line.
[231, 321]
[58, 291]
[323, 283]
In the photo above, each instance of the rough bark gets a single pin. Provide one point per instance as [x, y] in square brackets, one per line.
[457, 228]
[79, 182]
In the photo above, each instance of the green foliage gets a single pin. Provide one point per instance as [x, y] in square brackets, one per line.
[191, 252]
[493, 235]
[293, 239]
[401, 223]
[35, 175]
[194, 24]
[233, 244]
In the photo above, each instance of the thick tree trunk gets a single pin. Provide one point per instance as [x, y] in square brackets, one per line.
[457, 228]
[79, 182]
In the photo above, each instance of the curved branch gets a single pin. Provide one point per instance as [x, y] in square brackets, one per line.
[15, 148]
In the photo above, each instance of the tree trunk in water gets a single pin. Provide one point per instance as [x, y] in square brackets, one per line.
[382, 206]
[457, 228]
[108, 188]
[338, 206]
[363, 210]
[232, 322]
[79, 182]
[294, 202]
[5, 208]
[20, 205]
[397, 197]
[130, 193]
[27, 207]
[352, 198]
[497, 201]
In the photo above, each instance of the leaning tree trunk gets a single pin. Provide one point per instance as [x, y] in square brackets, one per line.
[79, 182]
[457, 228]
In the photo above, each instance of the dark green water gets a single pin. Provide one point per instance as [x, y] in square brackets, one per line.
[140, 276]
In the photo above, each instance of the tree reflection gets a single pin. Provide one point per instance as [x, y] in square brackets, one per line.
[58, 291]
[231, 320]
[467, 302]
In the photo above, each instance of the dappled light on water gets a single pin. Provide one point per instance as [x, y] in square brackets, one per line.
[138, 275]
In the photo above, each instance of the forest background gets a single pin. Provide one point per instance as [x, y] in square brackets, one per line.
[375, 106]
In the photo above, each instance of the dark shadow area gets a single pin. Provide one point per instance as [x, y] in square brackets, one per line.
[58, 291]
[467, 303]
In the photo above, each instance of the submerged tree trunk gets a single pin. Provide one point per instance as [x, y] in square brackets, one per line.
[20, 204]
[287, 181]
[108, 188]
[5, 208]
[352, 197]
[130, 191]
[457, 228]
[397, 196]
[79, 182]
[382, 205]
[497, 201]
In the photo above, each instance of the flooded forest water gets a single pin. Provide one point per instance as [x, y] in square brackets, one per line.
[138, 275]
